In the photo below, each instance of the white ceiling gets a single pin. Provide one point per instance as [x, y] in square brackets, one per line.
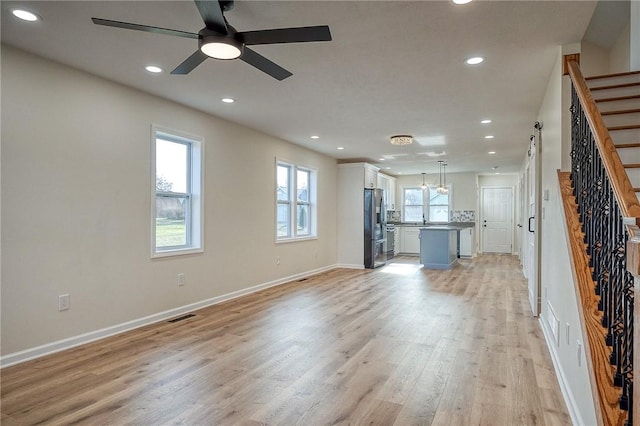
[393, 67]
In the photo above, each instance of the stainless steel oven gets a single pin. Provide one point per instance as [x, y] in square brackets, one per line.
[391, 240]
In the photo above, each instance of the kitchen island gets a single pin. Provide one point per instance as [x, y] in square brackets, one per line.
[439, 246]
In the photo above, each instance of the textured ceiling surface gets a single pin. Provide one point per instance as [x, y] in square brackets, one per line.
[394, 67]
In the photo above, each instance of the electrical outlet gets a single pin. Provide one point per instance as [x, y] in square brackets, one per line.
[180, 280]
[64, 302]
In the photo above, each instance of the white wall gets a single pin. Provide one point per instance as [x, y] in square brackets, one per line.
[619, 60]
[634, 36]
[76, 206]
[556, 279]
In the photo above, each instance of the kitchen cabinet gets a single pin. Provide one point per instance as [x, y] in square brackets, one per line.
[410, 240]
[370, 176]
[439, 247]
[388, 183]
[466, 242]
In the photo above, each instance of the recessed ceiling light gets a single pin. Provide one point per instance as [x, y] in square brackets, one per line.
[461, 1]
[492, 152]
[485, 122]
[474, 61]
[381, 159]
[387, 168]
[341, 147]
[228, 100]
[153, 69]
[315, 137]
[25, 15]
[496, 173]
[489, 137]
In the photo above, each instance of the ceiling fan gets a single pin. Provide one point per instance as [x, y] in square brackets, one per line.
[219, 40]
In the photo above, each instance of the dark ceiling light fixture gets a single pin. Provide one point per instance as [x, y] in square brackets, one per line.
[219, 40]
[442, 187]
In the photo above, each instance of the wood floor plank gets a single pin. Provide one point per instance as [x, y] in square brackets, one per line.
[397, 345]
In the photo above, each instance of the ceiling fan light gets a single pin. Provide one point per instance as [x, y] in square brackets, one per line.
[221, 47]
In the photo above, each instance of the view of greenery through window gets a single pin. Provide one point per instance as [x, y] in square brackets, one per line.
[172, 197]
[414, 205]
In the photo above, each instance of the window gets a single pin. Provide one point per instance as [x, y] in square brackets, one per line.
[413, 205]
[177, 193]
[428, 204]
[295, 202]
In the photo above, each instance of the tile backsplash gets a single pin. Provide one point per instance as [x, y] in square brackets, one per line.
[463, 216]
[394, 216]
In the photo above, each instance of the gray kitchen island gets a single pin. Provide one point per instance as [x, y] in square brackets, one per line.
[439, 246]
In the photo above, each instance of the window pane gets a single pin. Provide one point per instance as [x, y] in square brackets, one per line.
[303, 219]
[282, 221]
[171, 226]
[435, 198]
[283, 183]
[172, 162]
[302, 185]
[439, 214]
[413, 196]
[413, 213]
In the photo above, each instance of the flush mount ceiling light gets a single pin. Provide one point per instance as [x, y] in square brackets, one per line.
[153, 69]
[442, 187]
[401, 140]
[474, 60]
[220, 47]
[24, 15]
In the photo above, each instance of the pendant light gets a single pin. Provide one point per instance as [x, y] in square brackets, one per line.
[442, 187]
[424, 185]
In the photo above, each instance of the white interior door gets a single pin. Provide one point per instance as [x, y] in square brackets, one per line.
[497, 220]
[530, 232]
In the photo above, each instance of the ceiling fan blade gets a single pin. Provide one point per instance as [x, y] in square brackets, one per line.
[212, 16]
[285, 35]
[146, 28]
[190, 63]
[263, 64]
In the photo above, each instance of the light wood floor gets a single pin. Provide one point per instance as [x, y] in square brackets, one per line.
[397, 345]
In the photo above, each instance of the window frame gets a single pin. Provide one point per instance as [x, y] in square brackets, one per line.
[426, 205]
[194, 197]
[293, 202]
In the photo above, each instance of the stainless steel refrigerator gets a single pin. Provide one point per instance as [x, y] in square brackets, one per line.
[375, 228]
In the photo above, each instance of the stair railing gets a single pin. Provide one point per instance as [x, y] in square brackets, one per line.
[610, 214]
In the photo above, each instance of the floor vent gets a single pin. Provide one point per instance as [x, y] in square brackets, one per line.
[184, 317]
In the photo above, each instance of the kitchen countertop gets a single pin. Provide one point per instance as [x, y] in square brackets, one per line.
[456, 225]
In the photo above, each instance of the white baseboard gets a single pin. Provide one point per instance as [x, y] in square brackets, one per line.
[349, 266]
[569, 399]
[68, 343]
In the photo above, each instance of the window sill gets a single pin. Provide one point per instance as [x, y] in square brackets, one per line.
[293, 240]
[176, 252]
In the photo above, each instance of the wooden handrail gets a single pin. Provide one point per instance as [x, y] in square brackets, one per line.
[620, 182]
[630, 209]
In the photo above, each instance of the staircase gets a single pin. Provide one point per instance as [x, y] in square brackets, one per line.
[618, 99]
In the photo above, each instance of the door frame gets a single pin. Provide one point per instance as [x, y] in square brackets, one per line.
[481, 218]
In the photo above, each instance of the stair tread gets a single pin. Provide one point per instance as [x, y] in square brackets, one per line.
[618, 98]
[615, 86]
[620, 74]
[629, 127]
[621, 111]
[628, 145]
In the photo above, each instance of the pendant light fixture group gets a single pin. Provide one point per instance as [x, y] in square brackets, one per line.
[424, 185]
[442, 187]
